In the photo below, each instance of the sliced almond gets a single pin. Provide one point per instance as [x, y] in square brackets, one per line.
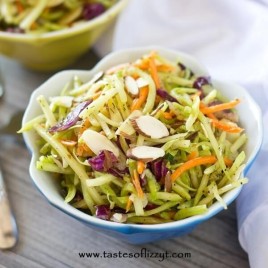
[126, 126]
[97, 142]
[131, 85]
[145, 153]
[150, 127]
[158, 108]
[141, 82]
[168, 182]
[119, 217]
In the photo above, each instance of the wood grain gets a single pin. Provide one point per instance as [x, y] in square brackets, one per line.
[50, 238]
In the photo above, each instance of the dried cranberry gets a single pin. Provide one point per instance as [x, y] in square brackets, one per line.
[119, 210]
[150, 206]
[201, 81]
[164, 95]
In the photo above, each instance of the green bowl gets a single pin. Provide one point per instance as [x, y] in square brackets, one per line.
[56, 50]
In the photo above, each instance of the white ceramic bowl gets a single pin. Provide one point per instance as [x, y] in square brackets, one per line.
[250, 118]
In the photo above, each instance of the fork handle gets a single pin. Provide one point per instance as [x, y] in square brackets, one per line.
[8, 233]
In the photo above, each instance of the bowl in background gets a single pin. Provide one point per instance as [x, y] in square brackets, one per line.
[56, 50]
[250, 118]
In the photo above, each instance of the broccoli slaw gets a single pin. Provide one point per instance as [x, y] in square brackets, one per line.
[143, 142]
[42, 16]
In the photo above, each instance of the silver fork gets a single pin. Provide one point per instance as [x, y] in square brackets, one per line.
[8, 226]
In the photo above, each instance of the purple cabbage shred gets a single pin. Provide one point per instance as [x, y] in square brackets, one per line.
[165, 95]
[103, 212]
[92, 10]
[15, 30]
[71, 118]
[106, 161]
[159, 169]
[118, 172]
[103, 161]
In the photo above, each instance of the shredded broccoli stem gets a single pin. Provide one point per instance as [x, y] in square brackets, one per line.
[50, 117]
[77, 167]
[34, 14]
[192, 211]
[161, 208]
[100, 180]
[146, 220]
[213, 140]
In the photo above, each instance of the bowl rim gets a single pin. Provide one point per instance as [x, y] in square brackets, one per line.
[128, 227]
[77, 29]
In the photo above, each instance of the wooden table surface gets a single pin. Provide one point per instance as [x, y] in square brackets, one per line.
[50, 238]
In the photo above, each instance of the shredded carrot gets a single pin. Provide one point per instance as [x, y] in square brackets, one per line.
[227, 127]
[144, 64]
[212, 116]
[219, 107]
[84, 126]
[140, 167]
[129, 204]
[168, 115]
[192, 155]
[19, 6]
[79, 150]
[202, 105]
[202, 160]
[165, 68]
[34, 26]
[83, 150]
[197, 93]
[157, 99]
[153, 71]
[137, 103]
[135, 76]
[231, 128]
[136, 182]
[228, 162]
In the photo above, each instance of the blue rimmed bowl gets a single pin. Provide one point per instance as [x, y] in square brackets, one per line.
[250, 119]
